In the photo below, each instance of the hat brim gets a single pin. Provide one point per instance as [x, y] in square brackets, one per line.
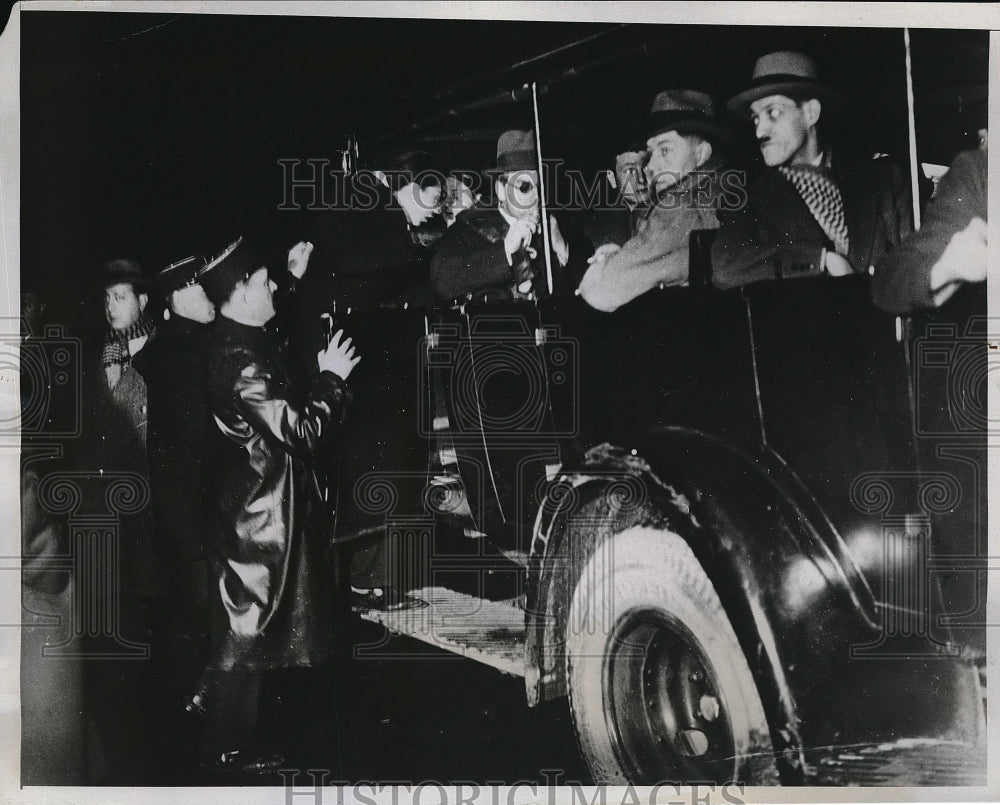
[739, 104]
[712, 130]
[516, 167]
[139, 284]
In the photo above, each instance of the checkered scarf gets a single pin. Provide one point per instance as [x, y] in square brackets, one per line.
[115, 352]
[822, 197]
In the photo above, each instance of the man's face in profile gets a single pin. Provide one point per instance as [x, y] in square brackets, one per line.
[672, 156]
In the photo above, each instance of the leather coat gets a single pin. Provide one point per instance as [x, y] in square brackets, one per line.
[269, 551]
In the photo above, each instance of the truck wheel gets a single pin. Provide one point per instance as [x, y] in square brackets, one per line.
[658, 685]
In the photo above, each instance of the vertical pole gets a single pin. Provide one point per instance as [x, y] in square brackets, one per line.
[914, 176]
[541, 190]
[901, 325]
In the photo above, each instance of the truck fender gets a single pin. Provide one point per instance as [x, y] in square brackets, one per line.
[742, 519]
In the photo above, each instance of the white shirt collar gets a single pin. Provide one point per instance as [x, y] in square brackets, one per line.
[510, 219]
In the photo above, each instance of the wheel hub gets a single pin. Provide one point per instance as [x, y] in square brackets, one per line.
[669, 720]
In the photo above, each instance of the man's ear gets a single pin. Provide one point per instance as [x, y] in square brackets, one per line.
[143, 299]
[812, 109]
[703, 153]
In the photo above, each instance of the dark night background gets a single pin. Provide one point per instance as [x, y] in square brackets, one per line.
[152, 135]
[155, 136]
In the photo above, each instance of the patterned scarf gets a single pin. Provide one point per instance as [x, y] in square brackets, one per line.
[822, 197]
[115, 352]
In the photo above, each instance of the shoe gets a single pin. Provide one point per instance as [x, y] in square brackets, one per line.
[234, 762]
[385, 599]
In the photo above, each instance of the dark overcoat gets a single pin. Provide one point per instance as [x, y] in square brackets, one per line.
[173, 366]
[470, 259]
[365, 256]
[269, 552]
[902, 281]
[117, 472]
[773, 235]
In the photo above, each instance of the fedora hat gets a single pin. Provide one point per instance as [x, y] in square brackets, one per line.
[686, 111]
[124, 270]
[516, 152]
[784, 72]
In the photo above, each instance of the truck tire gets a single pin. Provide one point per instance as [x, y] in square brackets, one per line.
[658, 685]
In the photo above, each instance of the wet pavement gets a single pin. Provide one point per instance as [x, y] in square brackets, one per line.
[412, 713]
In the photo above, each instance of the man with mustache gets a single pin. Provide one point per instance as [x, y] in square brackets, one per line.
[811, 212]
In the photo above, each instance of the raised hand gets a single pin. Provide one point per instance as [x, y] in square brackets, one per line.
[520, 234]
[603, 252]
[964, 258]
[298, 258]
[338, 357]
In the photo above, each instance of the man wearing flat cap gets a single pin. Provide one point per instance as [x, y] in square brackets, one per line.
[173, 366]
[268, 553]
[684, 137]
[497, 252]
[810, 213]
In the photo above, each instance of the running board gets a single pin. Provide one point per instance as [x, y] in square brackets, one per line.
[489, 632]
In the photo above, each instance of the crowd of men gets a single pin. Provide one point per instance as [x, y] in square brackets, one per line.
[230, 404]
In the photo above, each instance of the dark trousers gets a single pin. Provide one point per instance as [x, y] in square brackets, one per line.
[181, 644]
[233, 710]
[120, 699]
[289, 711]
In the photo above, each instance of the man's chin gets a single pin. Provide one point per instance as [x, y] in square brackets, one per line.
[771, 157]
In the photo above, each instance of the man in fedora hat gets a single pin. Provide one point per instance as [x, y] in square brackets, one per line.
[118, 689]
[614, 219]
[684, 138]
[496, 252]
[810, 213]
[126, 294]
[269, 550]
